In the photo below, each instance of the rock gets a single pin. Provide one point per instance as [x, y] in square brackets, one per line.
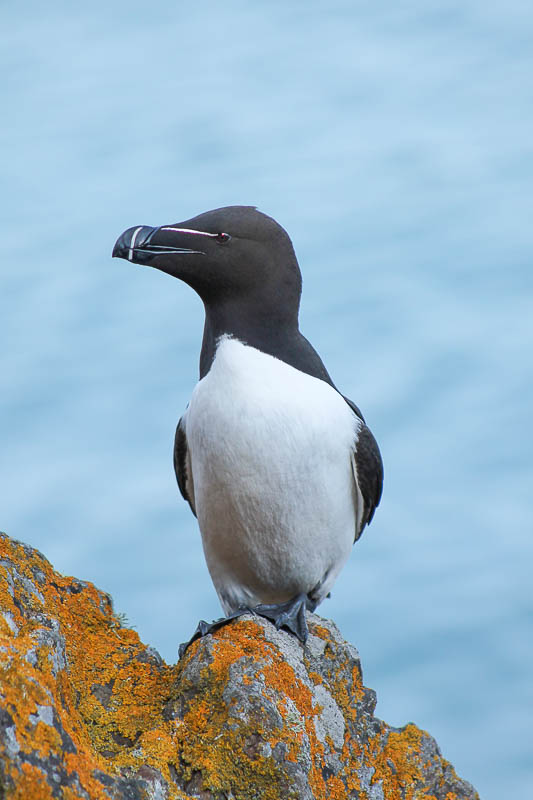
[88, 711]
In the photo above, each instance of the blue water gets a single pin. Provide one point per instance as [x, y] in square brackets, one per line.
[395, 144]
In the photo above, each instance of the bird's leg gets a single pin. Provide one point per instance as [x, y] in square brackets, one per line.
[289, 615]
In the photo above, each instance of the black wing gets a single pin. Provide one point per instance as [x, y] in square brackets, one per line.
[182, 465]
[368, 472]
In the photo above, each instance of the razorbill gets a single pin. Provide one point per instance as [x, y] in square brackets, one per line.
[278, 466]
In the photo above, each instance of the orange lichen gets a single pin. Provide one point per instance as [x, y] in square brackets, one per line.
[107, 707]
[321, 632]
[98, 651]
[335, 789]
[214, 739]
[31, 782]
[393, 761]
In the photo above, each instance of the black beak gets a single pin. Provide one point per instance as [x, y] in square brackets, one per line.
[142, 244]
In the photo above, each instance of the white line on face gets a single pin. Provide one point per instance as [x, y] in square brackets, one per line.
[132, 243]
[189, 230]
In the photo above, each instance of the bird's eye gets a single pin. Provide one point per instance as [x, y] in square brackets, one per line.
[223, 238]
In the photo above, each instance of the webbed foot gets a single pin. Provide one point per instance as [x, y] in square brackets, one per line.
[289, 615]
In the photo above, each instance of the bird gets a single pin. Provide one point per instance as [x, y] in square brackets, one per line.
[280, 468]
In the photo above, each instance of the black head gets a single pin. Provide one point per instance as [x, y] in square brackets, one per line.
[233, 254]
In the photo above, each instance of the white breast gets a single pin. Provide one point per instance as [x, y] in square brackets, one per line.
[270, 451]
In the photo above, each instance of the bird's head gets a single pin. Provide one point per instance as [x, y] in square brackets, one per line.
[226, 255]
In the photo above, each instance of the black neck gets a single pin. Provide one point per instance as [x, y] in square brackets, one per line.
[266, 329]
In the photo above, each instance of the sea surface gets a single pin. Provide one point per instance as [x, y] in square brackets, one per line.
[395, 143]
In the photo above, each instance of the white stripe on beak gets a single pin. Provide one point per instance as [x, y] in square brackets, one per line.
[132, 243]
[189, 230]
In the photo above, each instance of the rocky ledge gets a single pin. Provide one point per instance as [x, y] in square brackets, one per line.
[88, 711]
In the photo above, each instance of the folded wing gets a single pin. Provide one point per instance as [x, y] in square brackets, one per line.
[367, 469]
[182, 465]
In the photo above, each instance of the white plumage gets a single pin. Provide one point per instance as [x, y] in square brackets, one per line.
[270, 450]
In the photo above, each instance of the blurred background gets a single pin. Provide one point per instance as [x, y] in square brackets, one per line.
[395, 145]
